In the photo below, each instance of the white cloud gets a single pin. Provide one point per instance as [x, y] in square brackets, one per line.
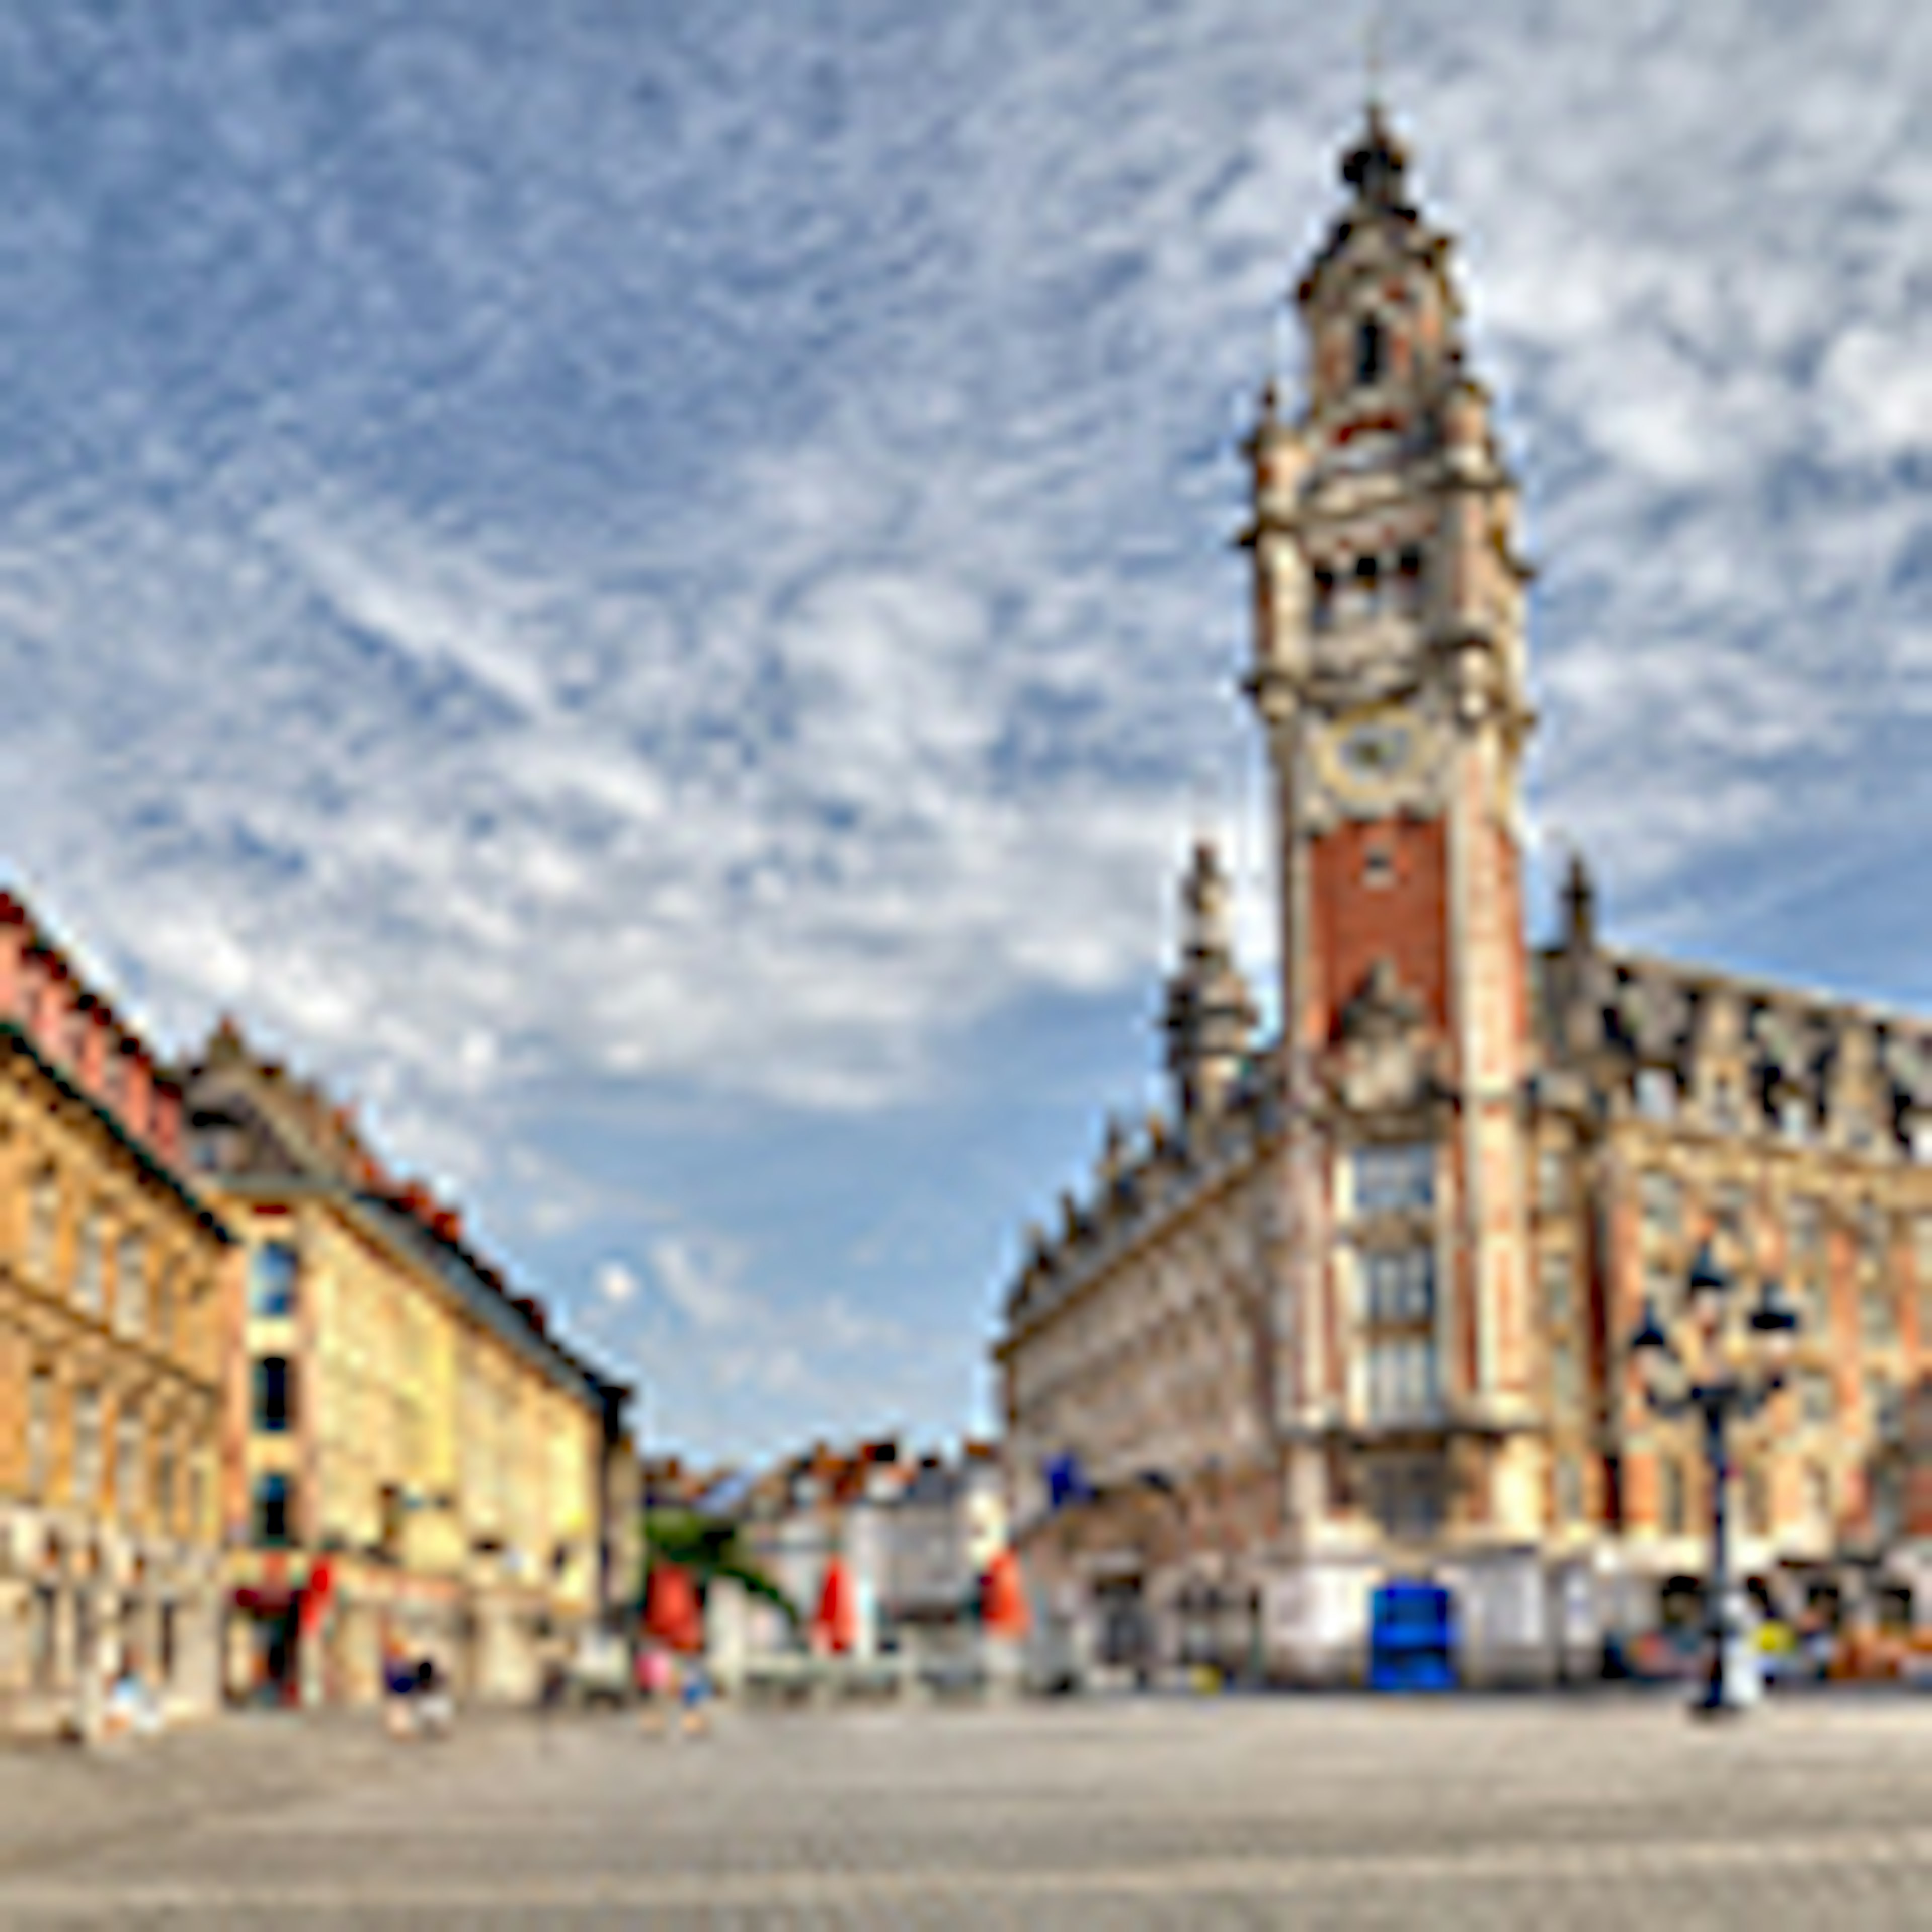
[697, 1276]
[615, 1283]
[548, 560]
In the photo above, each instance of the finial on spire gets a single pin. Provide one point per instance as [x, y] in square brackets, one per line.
[1372, 57]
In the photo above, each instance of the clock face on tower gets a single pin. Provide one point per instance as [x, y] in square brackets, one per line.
[1372, 761]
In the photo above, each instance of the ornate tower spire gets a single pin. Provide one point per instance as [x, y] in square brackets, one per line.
[1210, 1018]
[1390, 676]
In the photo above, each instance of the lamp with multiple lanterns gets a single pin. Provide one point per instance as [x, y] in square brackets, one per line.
[1724, 1375]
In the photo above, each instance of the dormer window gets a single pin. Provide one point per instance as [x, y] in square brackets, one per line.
[1371, 353]
[1656, 1094]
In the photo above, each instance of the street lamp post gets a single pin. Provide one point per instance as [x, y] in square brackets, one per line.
[1718, 1385]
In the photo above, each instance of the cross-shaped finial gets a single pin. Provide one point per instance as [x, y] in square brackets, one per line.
[1372, 53]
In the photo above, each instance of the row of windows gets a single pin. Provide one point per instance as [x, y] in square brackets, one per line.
[1368, 585]
[1662, 1199]
[1681, 1498]
[93, 1251]
[146, 1475]
[1659, 1096]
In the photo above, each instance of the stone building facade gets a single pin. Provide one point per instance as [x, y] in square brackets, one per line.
[1356, 1306]
[116, 1286]
[417, 1461]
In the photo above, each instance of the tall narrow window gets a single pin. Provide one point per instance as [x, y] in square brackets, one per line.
[84, 1487]
[1368, 582]
[1566, 1378]
[274, 1394]
[272, 1281]
[39, 1431]
[89, 1267]
[44, 1227]
[1558, 1281]
[1569, 1490]
[127, 1445]
[274, 1509]
[166, 1286]
[198, 1491]
[1371, 351]
[130, 1286]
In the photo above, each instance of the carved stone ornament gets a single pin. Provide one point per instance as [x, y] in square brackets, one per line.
[1593, 994]
[1720, 1025]
[1362, 661]
[1655, 1012]
[1908, 1060]
[1382, 1065]
[1785, 1040]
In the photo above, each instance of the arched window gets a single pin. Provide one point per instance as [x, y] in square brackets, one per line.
[1371, 353]
[1368, 582]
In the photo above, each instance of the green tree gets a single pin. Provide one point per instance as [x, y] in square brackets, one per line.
[708, 1549]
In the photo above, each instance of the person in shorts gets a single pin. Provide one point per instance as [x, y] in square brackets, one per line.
[693, 1693]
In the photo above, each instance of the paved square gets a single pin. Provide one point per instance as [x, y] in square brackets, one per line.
[1316, 1813]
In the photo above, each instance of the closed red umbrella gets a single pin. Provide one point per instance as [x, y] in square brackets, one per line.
[671, 1611]
[834, 1626]
[1002, 1604]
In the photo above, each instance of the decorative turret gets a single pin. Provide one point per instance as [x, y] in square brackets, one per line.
[1579, 907]
[1211, 1017]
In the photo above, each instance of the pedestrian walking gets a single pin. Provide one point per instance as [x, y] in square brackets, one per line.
[399, 1684]
[655, 1682]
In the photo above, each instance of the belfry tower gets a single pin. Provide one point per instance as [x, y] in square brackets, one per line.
[1389, 676]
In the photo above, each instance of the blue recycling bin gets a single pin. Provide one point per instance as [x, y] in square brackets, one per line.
[1412, 1638]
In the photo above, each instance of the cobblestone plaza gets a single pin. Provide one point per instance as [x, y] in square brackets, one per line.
[1604, 1811]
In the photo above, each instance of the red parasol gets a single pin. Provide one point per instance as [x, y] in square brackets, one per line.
[671, 1612]
[835, 1625]
[1002, 1604]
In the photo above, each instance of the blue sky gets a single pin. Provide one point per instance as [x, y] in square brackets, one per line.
[646, 588]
